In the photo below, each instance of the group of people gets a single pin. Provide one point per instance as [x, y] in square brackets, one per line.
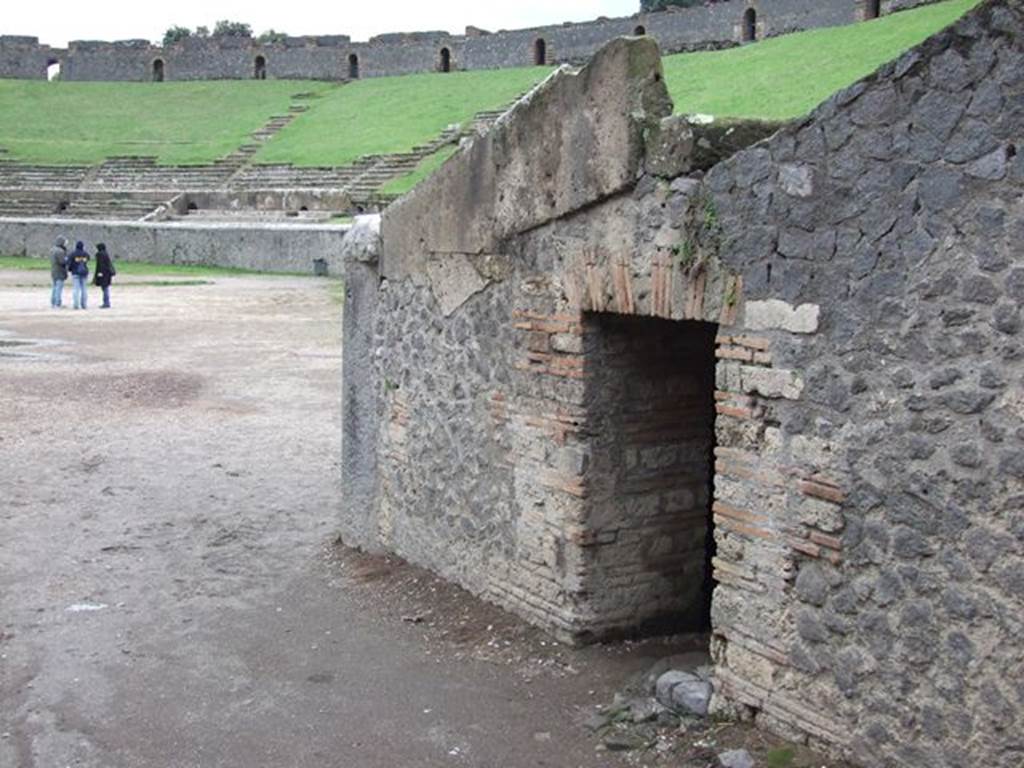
[76, 264]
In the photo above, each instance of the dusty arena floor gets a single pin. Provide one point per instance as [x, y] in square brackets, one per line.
[171, 593]
[172, 590]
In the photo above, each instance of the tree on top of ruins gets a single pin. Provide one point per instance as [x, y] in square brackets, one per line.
[225, 28]
[272, 36]
[659, 5]
[176, 34]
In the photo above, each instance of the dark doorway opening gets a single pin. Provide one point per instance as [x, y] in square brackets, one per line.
[750, 26]
[650, 401]
[446, 60]
[640, 30]
[353, 67]
[53, 69]
[873, 9]
[260, 68]
[158, 71]
[540, 52]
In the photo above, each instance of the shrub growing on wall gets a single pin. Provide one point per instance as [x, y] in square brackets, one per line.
[225, 28]
[175, 34]
[272, 36]
[660, 5]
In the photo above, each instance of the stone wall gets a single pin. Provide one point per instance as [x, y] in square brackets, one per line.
[264, 247]
[23, 58]
[861, 272]
[328, 57]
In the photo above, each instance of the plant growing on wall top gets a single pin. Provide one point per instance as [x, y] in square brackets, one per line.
[176, 34]
[225, 28]
[272, 36]
[646, 6]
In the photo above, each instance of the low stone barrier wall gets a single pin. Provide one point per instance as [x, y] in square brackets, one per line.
[265, 247]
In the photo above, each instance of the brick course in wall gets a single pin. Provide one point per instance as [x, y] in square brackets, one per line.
[862, 269]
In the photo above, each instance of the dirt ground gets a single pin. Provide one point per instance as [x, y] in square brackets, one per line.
[172, 592]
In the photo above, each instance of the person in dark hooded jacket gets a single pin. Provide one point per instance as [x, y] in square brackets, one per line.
[78, 266]
[104, 273]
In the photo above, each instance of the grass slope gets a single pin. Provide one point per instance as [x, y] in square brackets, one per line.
[426, 167]
[142, 268]
[393, 114]
[780, 78]
[788, 76]
[70, 123]
[64, 123]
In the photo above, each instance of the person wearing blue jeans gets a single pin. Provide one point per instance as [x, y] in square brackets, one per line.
[78, 266]
[58, 271]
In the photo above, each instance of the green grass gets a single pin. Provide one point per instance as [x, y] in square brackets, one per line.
[788, 76]
[780, 757]
[425, 168]
[140, 268]
[59, 123]
[393, 114]
[198, 122]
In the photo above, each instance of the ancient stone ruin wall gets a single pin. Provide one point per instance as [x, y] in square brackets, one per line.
[330, 57]
[23, 58]
[861, 274]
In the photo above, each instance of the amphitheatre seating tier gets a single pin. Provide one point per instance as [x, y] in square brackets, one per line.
[256, 216]
[144, 173]
[13, 174]
[77, 204]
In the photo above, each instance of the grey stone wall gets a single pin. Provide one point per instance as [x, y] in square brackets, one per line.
[267, 247]
[23, 58]
[863, 270]
[898, 209]
[327, 57]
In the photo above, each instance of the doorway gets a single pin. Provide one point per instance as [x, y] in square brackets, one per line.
[650, 402]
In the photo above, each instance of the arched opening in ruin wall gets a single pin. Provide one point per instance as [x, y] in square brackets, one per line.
[260, 68]
[540, 52]
[750, 25]
[158, 70]
[640, 30]
[872, 9]
[445, 63]
[353, 67]
[53, 69]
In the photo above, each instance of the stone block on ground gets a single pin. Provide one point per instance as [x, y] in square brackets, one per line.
[736, 758]
[683, 691]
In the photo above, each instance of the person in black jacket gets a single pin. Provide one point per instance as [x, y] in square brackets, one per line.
[104, 273]
[78, 266]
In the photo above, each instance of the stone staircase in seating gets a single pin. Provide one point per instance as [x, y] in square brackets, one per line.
[93, 191]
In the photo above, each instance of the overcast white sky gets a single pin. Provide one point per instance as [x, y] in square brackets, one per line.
[58, 21]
